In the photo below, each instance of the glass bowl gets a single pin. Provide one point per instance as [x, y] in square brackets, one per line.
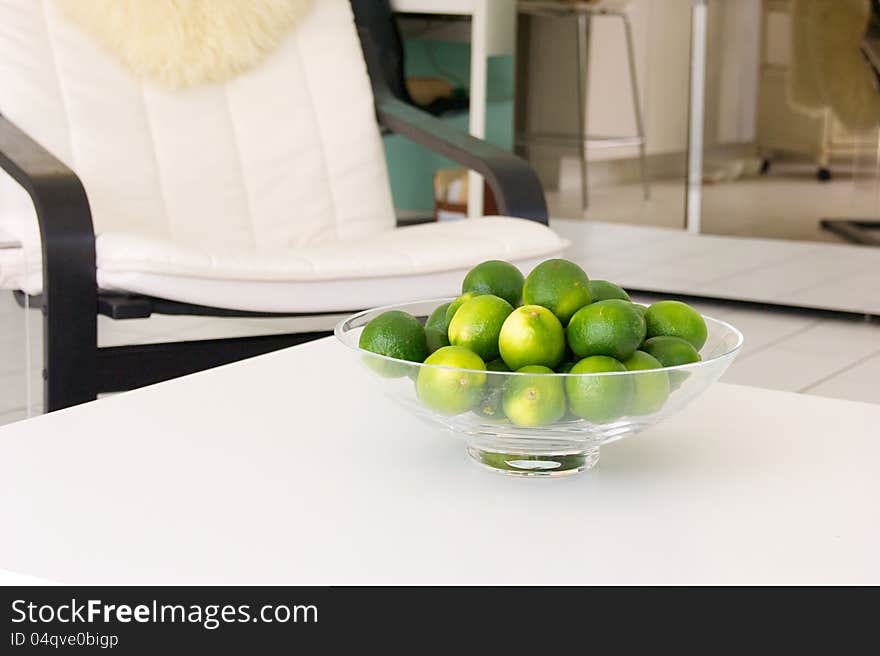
[618, 404]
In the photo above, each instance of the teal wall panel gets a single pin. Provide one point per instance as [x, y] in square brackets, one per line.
[411, 167]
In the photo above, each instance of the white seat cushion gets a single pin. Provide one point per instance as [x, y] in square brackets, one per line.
[394, 266]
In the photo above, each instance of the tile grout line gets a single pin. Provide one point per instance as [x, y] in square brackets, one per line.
[838, 372]
[780, 339]
[754, 269]
[832, 279]
[790, 259]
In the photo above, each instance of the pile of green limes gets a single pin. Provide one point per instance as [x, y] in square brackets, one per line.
[556, 320]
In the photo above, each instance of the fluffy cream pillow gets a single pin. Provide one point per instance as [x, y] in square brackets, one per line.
[182, 43]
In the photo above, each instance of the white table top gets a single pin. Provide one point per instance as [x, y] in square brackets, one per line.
[293, 468]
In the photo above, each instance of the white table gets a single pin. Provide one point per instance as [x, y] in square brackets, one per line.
[293, 468]
[493, 32]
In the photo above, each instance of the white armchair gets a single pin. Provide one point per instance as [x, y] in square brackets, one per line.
[267, 194]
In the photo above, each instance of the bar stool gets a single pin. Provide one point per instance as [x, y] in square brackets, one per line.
[583, 12]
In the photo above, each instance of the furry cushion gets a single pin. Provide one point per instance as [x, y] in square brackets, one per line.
[182, 43]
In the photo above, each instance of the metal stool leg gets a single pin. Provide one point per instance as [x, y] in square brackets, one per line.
[583, 85]
[637, 107]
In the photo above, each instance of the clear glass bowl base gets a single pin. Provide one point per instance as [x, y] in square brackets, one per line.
[536, 466]
[599, 407]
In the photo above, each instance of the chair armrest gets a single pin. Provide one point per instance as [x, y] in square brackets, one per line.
[70, 291]
[65, 220]
[66, 232]
[516, 187]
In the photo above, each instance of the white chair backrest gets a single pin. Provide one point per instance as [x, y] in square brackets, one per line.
[286, 154]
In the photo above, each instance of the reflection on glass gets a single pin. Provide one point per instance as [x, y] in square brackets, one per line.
[792, 119]
[613, 76]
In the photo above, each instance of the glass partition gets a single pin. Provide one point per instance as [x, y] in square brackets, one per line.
[614, 77]
[792, 112]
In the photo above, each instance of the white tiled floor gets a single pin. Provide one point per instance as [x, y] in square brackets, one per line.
[794, 350]
[857, 383]
[814, 275]
[798, 351]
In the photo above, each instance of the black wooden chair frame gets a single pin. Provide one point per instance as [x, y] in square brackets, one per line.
[76, 370]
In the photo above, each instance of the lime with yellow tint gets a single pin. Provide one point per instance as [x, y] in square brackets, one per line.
[602, 290]
[613, 328]
[457, 303]
[452, 391]
[531, 335]
[437, 328]
[495, 277]
[394, 334]
[560, 286]
[676, 319]
[599, 399]
[651, 388]
[477, 325]
[534, 400]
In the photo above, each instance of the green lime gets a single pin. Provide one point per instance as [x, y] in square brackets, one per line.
[394, 334]
[490, 407]
[535, 400]
[477, 325]
[651, 388]
[560, 286]
[497, 365]
[457, 303]
[531, 335]
[437, 328]
[613, 328]
[497, 278]
[451, 391]
[600, 399]
[676, 319]
[671, 352]
[602, 290]
[641, 309]
[495, 380]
